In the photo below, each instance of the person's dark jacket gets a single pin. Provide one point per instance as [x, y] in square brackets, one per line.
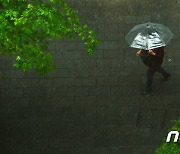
[153, 61]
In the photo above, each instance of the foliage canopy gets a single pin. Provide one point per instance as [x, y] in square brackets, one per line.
[27, 26]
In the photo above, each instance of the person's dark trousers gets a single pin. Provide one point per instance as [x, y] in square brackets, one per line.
[150, 74]
[162, 71]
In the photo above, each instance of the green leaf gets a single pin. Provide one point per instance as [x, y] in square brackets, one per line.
[26, 26]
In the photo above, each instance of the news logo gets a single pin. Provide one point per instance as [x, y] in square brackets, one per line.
[176, 133]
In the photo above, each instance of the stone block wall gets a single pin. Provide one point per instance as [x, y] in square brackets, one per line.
[93, 104]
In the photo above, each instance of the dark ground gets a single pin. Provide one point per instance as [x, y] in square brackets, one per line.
[93, 104]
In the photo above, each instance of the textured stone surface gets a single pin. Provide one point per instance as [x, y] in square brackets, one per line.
[92, 104]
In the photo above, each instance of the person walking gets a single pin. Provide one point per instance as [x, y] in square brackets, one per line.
[153, 59]
[150, 38]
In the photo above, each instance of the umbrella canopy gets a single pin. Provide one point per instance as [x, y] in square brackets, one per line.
[149, 36]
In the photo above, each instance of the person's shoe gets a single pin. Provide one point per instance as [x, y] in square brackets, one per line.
[166, 77]
[146, 92]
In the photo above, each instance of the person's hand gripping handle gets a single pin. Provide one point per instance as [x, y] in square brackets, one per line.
[152, 53]
[138, 52]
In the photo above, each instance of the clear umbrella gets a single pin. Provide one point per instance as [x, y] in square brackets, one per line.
[148, 36]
